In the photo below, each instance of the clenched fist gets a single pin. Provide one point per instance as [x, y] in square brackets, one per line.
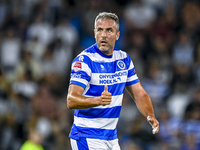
[106, 97]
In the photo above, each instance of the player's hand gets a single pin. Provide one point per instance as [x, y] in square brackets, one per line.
[154, 123]
[106, 97]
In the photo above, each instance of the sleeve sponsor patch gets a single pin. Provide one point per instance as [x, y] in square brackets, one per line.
[75, 75]
[77, 66]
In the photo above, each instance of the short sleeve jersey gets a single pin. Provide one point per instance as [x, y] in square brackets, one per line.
[92, 70]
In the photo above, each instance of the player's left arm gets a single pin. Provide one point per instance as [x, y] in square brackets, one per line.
[144, 104]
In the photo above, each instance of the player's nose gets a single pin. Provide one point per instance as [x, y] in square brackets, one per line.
[104, 34]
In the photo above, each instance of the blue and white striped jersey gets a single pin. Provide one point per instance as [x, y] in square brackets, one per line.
[92, 70]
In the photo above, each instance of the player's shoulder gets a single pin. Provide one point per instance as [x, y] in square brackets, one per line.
[88, 52]
[85, 55]
[120, 54]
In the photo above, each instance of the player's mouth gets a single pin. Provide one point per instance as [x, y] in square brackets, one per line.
[103, 42]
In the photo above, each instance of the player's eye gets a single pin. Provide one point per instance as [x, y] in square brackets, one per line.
[109, 30]
[99, 29]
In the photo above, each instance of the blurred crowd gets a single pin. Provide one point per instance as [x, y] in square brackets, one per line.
[39, 39]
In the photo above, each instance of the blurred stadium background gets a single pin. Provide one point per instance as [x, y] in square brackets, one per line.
[39, 39]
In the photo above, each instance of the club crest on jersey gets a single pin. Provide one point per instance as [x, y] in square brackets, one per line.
[121, 64]
[77, 66]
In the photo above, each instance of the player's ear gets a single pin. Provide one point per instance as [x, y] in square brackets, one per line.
[117, 35]
[94, 33]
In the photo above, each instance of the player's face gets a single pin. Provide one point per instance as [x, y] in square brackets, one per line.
[106, 34]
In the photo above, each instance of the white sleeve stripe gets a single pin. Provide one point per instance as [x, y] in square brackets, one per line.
[131, 66]
[79, 80]
[132, 78]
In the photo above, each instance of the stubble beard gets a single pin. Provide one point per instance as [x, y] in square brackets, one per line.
[106, 50]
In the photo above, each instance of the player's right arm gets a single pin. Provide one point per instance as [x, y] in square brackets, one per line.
[75, 100]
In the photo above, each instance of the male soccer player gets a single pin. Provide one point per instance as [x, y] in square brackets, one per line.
[98, 78]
